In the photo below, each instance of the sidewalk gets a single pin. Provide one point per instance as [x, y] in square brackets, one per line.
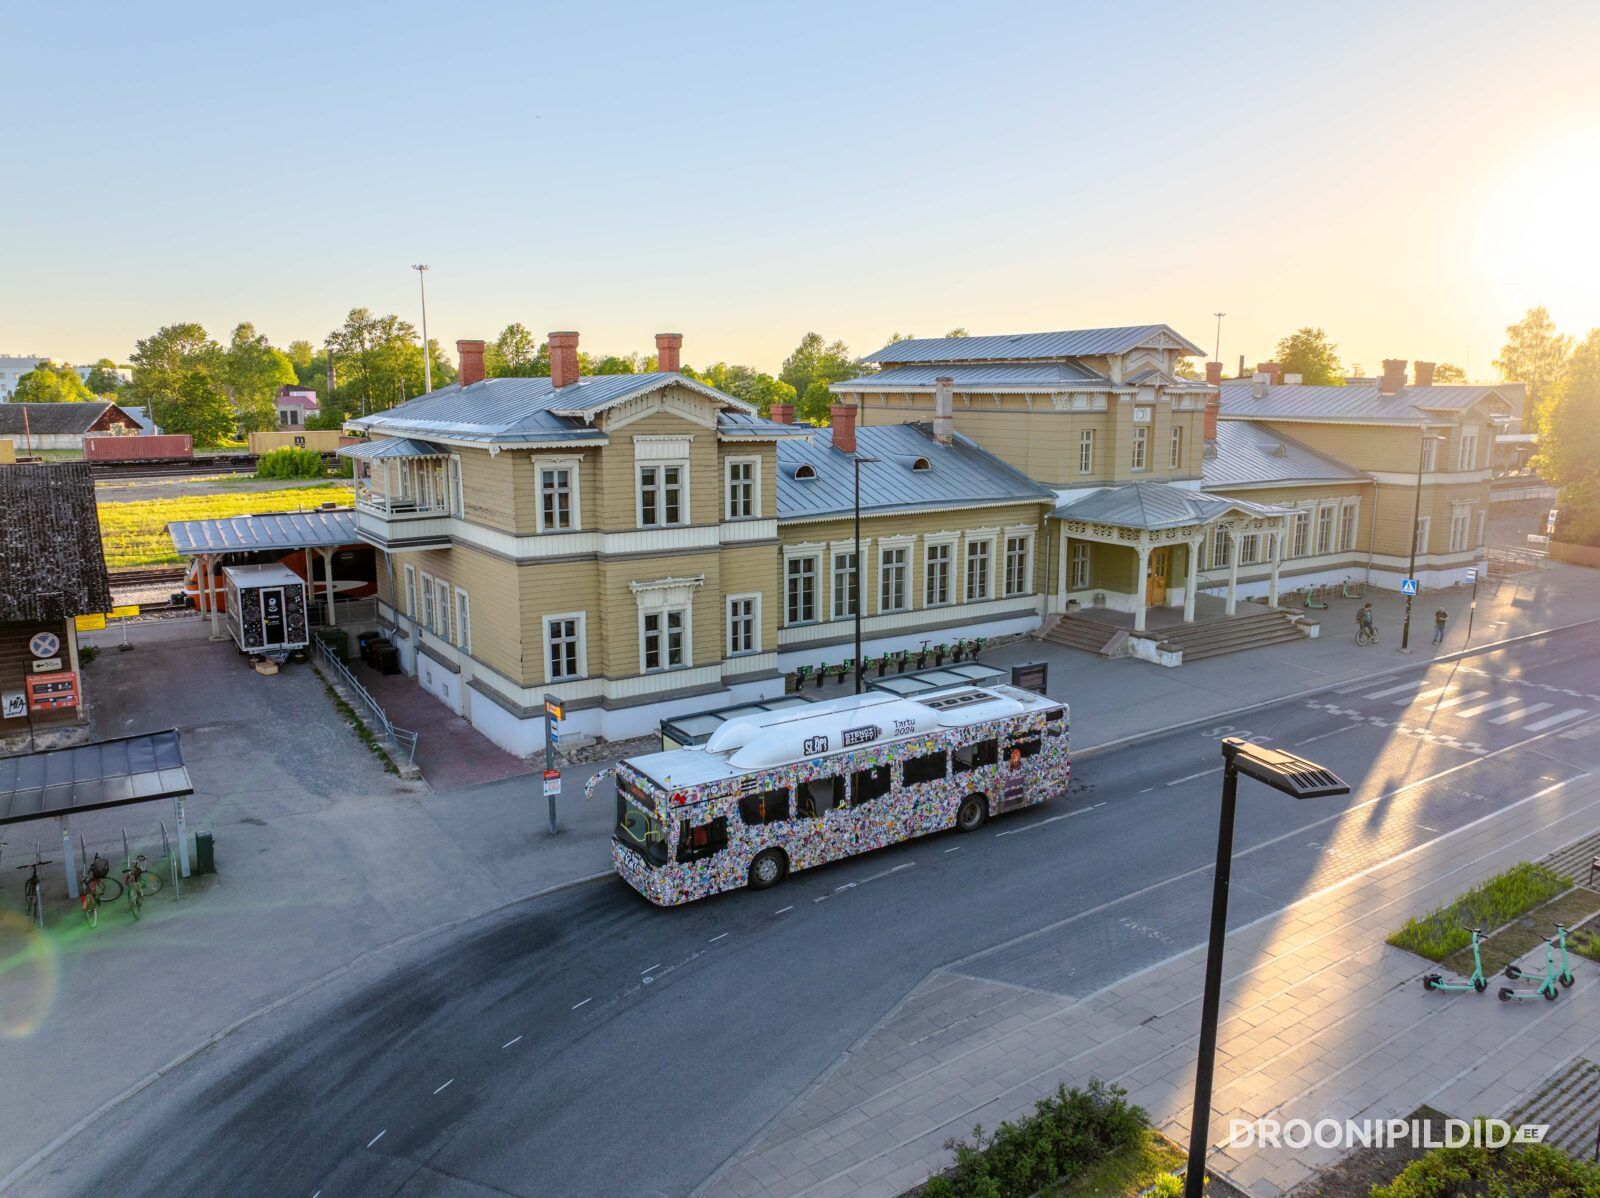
[1320, 1020]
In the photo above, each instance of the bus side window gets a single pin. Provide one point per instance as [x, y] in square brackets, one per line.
[929, 768]
[971, 757]
[702, 840]
[1023, 746]
[819, 794]
[866, 785]
[1055, 722]
[766, 807]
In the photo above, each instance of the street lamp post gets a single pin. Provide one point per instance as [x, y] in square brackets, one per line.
[855, 569]
[427, 354]
[1293, 776]
[1216, 355]
[1416, 518]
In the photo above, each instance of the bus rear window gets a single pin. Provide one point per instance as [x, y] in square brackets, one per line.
[702, 840]
[971, 757]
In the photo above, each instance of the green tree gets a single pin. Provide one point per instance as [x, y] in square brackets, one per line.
[176, 371]
[816, 404]
[1308, 353]
[253, 370]
[1568, 439]
[1535, 355]
[103, 379]
[1449, 372]
[747, 383]
[516, 353]
[1187, 369]
[612, 364]
[815, 361]
[377, 362]
[303, 357]
[893, 337]
[444, 368]
[51, 382]
[958, 332]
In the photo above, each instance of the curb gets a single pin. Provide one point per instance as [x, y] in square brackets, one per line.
[38, 1157]
[1123, 742]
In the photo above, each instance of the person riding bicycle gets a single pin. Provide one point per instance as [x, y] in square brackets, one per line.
[1364, 621]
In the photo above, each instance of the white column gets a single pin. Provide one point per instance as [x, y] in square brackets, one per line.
[1277, 563]
[211, 584]
[1191, 580]
[1233, 569]
[69, 861]
[1140, 582]
[327, 578]
[1061, 573]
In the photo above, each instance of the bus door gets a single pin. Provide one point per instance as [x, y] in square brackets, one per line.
[1015, 767]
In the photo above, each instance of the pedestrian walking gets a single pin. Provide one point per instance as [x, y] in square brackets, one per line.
[1440, 619]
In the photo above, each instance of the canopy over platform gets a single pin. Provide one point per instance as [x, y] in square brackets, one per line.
[1153, 505]
[281, 530]
[393, 447]
[107, 773]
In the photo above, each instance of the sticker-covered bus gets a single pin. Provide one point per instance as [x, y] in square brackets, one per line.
[781, 791]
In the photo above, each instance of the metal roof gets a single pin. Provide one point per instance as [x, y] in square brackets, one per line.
[279, 530]
[51, 563]
[108, 773]
[1360, 403]
[1250, 455]
[1069, 343]
[745, 424]
[1049, 376]
[513, 410]
[958, 474]
[1157, 505]
[393, 447]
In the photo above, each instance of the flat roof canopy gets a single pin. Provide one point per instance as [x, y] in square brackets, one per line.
[107, 773]
[280, 530]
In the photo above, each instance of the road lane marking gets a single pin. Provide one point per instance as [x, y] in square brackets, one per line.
[885, 873]
[1426, 828]
[1559, 718]
[1324, 735]
[1192, 777]
[1483, 707]
[1454, 699]
[957, 849]
[1520, 712]
[377, 1137]
[1051, 820]
[1147, 790]
[1387, 691]
[714, 939]
[576, 1005]
[509, 1043]
[651, 968]
[1438, 690]
[781, 910]
[446, 1086]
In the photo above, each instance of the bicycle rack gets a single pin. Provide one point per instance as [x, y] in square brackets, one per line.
[172, 863]
[127, 857]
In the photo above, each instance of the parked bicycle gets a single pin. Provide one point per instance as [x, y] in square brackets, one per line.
[95, 888]
[139, 882]
[30, 892]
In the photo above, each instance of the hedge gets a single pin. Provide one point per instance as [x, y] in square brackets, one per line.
[1530, 1171]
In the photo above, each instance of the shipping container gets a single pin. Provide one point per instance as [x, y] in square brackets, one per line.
[325, 440]
[266, 608]
[165, 448]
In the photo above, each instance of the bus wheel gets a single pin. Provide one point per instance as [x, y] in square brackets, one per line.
[972, 813]
[768, 869]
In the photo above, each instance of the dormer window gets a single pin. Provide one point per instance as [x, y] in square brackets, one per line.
[805, 472]
[922, 464]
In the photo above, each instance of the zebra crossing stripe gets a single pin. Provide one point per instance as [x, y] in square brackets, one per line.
[1438, 690]
[1461, 698]
[1560, 718]
[1483, 707]
[1519, 713]
[1389, 690]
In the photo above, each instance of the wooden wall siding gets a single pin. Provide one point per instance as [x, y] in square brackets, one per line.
[615, 651]
[1364, 446]
[1329, 493]
[494, 588]
[1397, 504]
[754, 568]
[497, 491]
[528, 498]
[16, 667]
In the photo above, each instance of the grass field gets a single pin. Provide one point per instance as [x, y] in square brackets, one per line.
[135, 533]
[1492, 905]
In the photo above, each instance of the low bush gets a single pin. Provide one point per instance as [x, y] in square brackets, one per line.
[1495, 903]
[1067, 1132]
[1530, 1171]
[290, 461]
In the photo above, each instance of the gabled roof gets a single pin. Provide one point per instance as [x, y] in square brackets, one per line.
[1165, 378]
[51, 564]
[277, 530]
[392, 447]
[1252, 455]
[295, 399]
[1069, 343]
[957, 475]
[1041, 376]
[517, 410]
[1363, 403]
[47, 419]
[1156, 505]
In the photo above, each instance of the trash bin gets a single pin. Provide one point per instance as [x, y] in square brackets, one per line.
[386, 657]
[338, 640]
[205, 856]
[364, 644]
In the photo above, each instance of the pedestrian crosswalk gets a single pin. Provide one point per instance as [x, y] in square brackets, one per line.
[1463, 702]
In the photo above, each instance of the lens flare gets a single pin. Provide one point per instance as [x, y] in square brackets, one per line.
[29, 973]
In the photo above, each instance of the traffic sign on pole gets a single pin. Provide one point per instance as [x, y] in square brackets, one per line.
[1408, 586]
[552, 783]
[1472, 574]
[553, 711]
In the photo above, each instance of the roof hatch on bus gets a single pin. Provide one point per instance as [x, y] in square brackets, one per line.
[753, 745]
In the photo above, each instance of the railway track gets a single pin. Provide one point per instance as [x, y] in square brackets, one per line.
[152, 470]
[155, 576]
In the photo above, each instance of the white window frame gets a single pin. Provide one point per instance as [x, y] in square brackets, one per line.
[753, 598]
[441, 609]
[661, 493]
[1467, 448]
[754, 484]
[1221, 546]
[665, 612]
[1086, 451]
[426, 619]
[948, 544]
[1300, 533]
[814, 556]
[1175, 452]
[1460, 529]
[1482, 516]
[837, 574]
[1249, 549]
[1139, 459]
[901, 546]
[411, 591]
[574, 507]
[1079, 565]
[1424, 527]
[987, 539]
[463, 621]
[1327, 528]
[1430, 454]
[1349, 524]
[581, 631]
[1026, 578]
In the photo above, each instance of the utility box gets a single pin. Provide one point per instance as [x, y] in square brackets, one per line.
[266, 608]
[205, 853]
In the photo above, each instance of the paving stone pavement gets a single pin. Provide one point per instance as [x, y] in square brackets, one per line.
[1321, 1019]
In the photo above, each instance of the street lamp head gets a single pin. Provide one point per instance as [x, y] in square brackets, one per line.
[422, 266]
[863, 460]
[1292, 775]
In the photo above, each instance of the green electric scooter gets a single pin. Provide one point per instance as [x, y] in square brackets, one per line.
[1547, 988]
[1565, 976]
[1477, 982]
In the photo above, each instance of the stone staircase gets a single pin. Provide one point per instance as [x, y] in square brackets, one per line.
[1249, 631]
[1089, 635]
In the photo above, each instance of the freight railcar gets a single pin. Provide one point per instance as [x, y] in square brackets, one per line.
[167, 447]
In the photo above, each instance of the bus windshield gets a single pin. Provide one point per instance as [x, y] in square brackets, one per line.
[637, 825]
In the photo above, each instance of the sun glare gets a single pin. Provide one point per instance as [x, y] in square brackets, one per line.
[1538, 235]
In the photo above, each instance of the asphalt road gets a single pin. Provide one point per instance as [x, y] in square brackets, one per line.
[589, 1044]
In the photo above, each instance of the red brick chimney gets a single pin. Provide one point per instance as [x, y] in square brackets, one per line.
[471, 355]
[1425, 373]
[1213, 374]
[667, 347]
[1394, 376]
[783, 413]
[844, 427]
[1272, 370]
[563, 359]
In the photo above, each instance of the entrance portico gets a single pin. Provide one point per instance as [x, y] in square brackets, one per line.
[1155, 524]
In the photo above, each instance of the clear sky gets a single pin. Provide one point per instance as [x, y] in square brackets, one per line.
[1411, 177]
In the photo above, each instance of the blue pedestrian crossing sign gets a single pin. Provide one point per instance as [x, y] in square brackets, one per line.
[1408, 586]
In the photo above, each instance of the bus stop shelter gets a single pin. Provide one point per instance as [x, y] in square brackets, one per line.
[61, 783]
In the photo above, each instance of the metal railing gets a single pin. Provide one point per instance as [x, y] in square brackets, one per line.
[351, 612]
[1512, 559]
[403, 743]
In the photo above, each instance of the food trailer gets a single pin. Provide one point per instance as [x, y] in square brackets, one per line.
[266, 608]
